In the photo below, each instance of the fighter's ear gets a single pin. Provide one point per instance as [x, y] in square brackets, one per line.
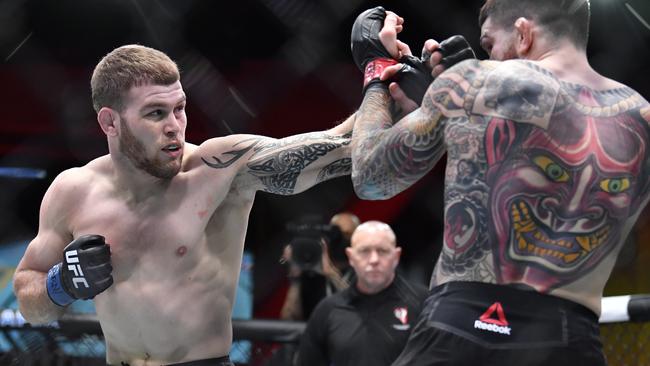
[525, 37]
[107, 118]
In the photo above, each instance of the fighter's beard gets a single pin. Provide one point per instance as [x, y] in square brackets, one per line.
[135, 151]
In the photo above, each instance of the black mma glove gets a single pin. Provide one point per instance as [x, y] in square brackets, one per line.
[368, 52]
[415, 77]
[85, 271]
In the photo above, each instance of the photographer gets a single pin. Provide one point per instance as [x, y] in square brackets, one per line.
[317, 263]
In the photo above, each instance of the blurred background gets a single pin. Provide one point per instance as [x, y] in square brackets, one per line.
[270, 67]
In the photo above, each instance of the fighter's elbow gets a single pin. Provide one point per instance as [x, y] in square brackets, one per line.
[367, 189]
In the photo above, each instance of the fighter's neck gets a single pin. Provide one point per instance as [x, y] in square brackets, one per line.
[569, 64]
[136, 185]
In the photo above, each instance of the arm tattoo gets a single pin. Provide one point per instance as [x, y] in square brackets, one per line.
[388, 160]
[335, 169]
[278, 164]
[234, 155]
[280, 167]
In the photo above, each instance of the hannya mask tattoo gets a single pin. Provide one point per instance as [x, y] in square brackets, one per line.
[561, 194]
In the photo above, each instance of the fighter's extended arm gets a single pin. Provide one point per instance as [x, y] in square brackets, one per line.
[284, 166]
[388, 159]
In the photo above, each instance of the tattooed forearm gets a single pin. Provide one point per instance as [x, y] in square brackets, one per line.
[335, 169]
[289, 165]
[388, 160]
[375, 114]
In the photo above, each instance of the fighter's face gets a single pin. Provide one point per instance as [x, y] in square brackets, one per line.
[152, 129]
[498, 42]
[561, 199]
[374, 257]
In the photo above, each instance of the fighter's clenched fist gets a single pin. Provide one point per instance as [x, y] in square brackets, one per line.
[85, 271]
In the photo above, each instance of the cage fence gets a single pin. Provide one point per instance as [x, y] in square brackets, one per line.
[77, 340]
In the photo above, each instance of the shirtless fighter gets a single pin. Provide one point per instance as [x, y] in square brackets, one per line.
[154, 231]
[548, 168]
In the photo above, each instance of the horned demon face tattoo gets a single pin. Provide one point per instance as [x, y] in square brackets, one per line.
[561, 195]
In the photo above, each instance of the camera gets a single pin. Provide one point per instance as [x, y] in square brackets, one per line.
[306, 245]
[306, 253]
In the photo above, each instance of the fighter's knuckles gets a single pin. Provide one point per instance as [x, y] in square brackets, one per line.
[437, 70]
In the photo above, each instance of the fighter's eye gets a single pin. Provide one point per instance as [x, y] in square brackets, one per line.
[156, 113]
[616, 185]
[553, 170]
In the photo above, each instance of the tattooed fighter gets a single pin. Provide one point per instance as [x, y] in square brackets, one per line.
[154, 231]
[547, 171]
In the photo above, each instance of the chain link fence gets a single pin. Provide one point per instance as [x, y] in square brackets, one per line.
[77, 341]
[259, 343]
[626, 344]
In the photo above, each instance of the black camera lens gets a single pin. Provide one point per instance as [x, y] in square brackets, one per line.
[306, 253]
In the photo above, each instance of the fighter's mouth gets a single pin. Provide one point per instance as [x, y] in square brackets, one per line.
[172, 147]
[560, 251]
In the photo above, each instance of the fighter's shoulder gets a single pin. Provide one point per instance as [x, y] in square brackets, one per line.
[223, 152]
[77, 179]
[475, 67]
[614, 99]
[73, 184]
[495, 75]
[519, 72]
[628, 99]
[516, 90]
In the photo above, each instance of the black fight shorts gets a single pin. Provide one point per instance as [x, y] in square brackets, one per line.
[470, 323]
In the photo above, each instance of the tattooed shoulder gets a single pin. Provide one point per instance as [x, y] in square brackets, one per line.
[517, 91]
[449, 94]
[599, 103]
[231, 155]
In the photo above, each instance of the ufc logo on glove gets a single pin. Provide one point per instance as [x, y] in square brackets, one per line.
[72, 257]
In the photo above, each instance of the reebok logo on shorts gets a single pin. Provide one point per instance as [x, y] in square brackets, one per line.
[491, 324]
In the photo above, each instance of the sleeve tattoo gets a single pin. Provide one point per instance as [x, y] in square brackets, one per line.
[386, 160]
[278, 164]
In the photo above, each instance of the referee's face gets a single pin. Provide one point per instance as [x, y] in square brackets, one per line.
[374, 257]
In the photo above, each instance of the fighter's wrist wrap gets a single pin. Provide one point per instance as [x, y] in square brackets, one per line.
[55, 289]
[373, 70]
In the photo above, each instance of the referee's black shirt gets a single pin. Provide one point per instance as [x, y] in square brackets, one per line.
[353, 329]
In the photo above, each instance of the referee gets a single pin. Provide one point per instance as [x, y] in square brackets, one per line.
[368, 323]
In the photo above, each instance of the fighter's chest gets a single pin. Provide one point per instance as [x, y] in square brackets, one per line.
[163, 233]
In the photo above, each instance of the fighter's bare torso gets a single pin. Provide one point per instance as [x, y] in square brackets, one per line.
[544, 180]
[176, 258]
[176, 250]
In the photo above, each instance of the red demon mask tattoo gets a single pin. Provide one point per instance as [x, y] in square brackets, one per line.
[561, 196]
